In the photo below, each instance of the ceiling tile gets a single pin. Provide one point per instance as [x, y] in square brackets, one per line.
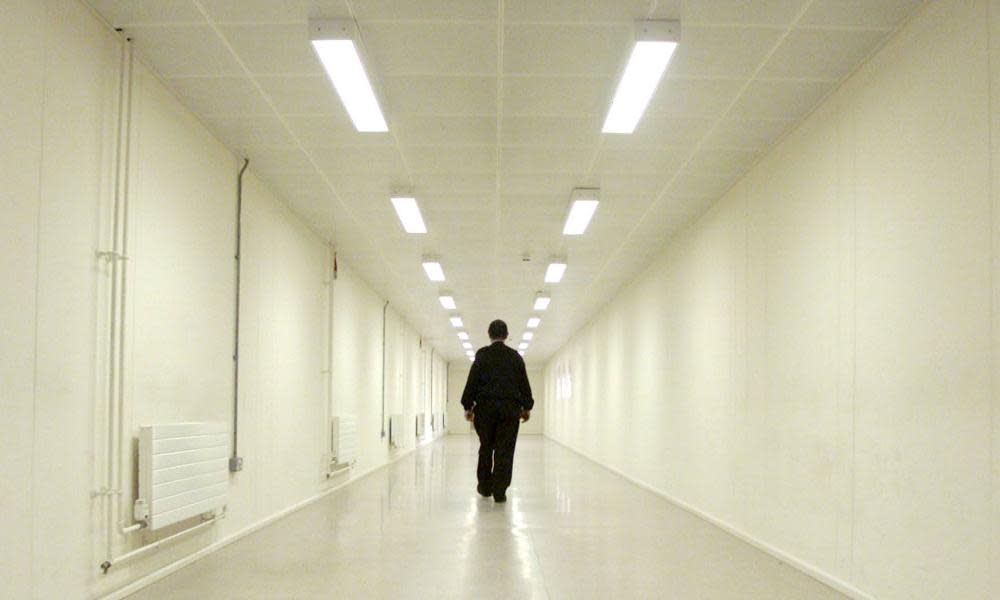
[249, 131]
[731, 53]
[360, 160]
[566, 49]
[551, 131]
[329, 131]
[220, 95]
[730, 12]
[699, 186]
[569, 11]
[555, 184]
[859, 13]
[705, 98]
[531, 159]
[445, 131]
[184, 50]
[777, 99]
[739, 133]
[821, 54]
[404, 10]
[273, 160]
[441, 95]
[433, 48]
[722, 161]
[455, 184]
[121, 13]
[661, 160]
[272, 11]
[557, 96]
[274, 49]
[301, 94]
[451, 159]
[663, 130]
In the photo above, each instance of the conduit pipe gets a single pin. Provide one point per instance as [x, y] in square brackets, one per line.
[235, 461]
[385, 308]
[106, 565]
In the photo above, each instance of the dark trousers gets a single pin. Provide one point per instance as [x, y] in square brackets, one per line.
[497, 422]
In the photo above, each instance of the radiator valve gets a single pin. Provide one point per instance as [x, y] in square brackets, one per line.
[140, 511]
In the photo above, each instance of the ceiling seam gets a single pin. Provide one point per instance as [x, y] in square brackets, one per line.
[497, 202]
[300, 145]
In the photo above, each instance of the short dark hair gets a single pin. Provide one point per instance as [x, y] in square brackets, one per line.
[498, 330]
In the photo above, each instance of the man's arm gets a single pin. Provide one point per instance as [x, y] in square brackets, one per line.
[471, 387]
[527, 401]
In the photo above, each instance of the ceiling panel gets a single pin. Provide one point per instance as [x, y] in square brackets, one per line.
[566, 49]
[741, 12]
[860, 13]
[185, 50]
[557, 95]
[221, 95]
[431, 48]
[821, 54]
[440, 95]
[727, 52]
[121, 13]
[282, 49]
[301, 94]
[274, 11]
[607, 11]
[780, 99]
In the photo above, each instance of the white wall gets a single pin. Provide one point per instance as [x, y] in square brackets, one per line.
[59, 79]
[812, 361]
[458, 373]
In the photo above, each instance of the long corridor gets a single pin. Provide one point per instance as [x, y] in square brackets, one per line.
[417, 529]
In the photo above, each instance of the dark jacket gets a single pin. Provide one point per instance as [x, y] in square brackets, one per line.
[498, 373]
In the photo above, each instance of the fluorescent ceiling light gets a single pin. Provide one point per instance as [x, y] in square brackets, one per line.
[334, 42]
[521, 352]
[655, 44]
[447, 301]
[463, 336]
[433, 270]
[583, 204]
[409, 214]
[472, 359]
[542, 301]
[522, 346]
[467, 345]
[555, 272]
[456, 321]
[533, 322]
[528, 336]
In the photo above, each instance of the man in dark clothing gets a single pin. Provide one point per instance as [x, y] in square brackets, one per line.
[496, 395]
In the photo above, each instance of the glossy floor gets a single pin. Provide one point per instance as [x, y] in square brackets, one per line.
[417, 529]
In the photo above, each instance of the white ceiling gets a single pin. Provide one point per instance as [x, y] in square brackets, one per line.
[495, 109]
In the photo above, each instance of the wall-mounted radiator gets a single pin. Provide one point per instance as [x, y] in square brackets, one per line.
[343, 441]
[421, 424]
[183, 472]
[396, 431]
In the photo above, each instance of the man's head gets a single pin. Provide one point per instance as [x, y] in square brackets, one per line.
[498, 331]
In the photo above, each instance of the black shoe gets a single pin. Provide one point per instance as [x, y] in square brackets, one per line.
[484, 490]
[500, 498]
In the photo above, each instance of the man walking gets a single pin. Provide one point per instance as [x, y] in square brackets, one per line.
[496, 395]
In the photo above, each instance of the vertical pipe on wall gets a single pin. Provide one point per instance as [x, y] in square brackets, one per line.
[235, 462]
[126, 181]
[111, 257]
[385, 308]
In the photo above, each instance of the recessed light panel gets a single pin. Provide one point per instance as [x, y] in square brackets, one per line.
[447, 301]
[434, 270]
[542, 301]
[655, 44]
[554, 273]
[456, 321]
[533, 322]
[335, 44]
[409, 214]
[583, 204]
[463, 336]
[528, 336]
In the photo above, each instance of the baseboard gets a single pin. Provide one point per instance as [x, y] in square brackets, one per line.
[179, 564]
[806, 567]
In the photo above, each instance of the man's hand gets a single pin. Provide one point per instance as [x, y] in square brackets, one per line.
[469, 416]
[525, 415]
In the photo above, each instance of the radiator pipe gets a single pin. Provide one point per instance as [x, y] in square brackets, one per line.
[385, 308]
[110, 562]
[235, 462]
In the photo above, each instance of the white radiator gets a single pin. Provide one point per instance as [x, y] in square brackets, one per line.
[396, 431]
[421, 424]
[344, 440]
[183, 472]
